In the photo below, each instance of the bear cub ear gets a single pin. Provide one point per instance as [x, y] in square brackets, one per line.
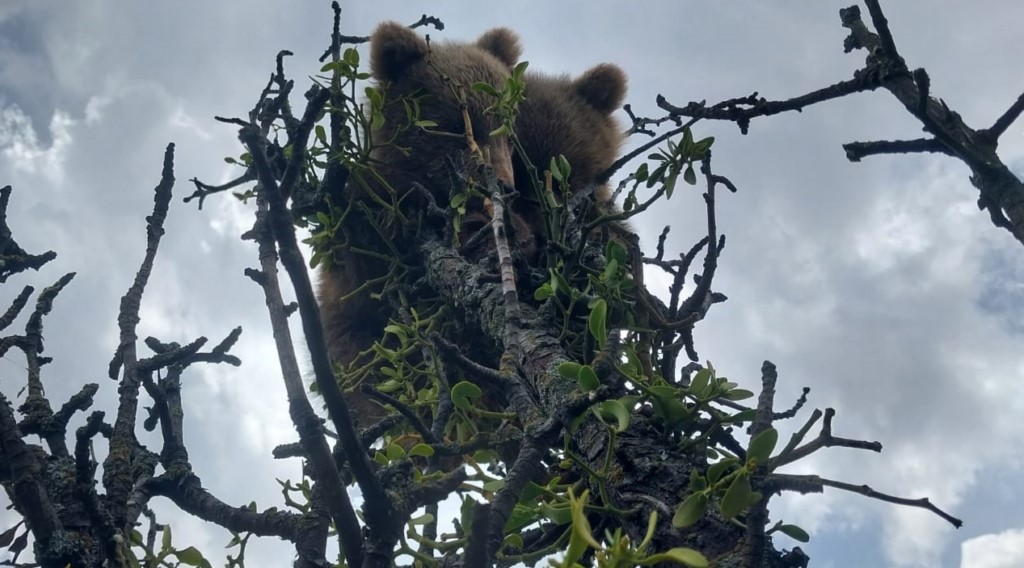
[502, 43]
[602, 87]
[393, 48]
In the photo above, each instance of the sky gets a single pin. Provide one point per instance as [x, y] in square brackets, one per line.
[879, 284]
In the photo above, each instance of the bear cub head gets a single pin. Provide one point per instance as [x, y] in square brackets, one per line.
[573, 118]
[439, 77]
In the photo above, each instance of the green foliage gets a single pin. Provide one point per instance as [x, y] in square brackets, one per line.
[617, 551]
[463, 393]
[606, 334]
[167, 554]
[507, 99]
[675, 159]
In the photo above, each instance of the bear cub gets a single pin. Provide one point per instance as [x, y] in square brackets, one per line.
[573, 118]
[560, 116]
[439, 76]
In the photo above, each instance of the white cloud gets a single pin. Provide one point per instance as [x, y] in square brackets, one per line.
[20, 146]
[999, 550]
[180, 118]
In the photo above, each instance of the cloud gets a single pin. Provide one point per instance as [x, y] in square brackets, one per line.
[1000, 550]
[20, 146]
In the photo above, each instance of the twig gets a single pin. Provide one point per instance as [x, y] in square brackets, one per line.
[757, 516]
[118, 478]
[824, 440]
[816, 484]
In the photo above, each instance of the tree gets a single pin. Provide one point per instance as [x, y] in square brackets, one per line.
[448, 277]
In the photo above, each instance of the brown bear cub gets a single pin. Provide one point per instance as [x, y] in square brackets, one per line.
[560, 116]
[573, 118]
[439, 77]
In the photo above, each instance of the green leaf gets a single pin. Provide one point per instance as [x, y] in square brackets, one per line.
[652, 527]
[561, 515]
[737, 497]
[190, 556]
[690, 511]
[658, 174]
[762, 445]
[375, 97]
[487, 88]
[514, 541]
[588, 378]
[422, 519]
[135, 537]
[701, 148]
[425, 123]
[544, 292]
[697, 481]
[716, 469]
[555, 172]
[560, 283]
[564, 167]
[530, 492]
[520, 517]
[685, 556]
[641, 173]
[614, 409]
[689, 176]
[165, 538]
[580, 523]
[615, 251]
[421, 450]
[738, 394]
[597, 322]
[570, 370]
[700, 381]
[395, 452]
[632, 367]
[520, 69]
[795, 532]
[351, 57]
[494, 485]
[610, 270]
[670, 182]
[573, 552]
[462, 392]
[667, 404]
[398, 331]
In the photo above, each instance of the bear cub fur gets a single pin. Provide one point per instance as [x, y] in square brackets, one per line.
[560, 115]
[437, 75]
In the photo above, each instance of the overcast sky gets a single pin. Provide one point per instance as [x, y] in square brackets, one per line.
[879, 285]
